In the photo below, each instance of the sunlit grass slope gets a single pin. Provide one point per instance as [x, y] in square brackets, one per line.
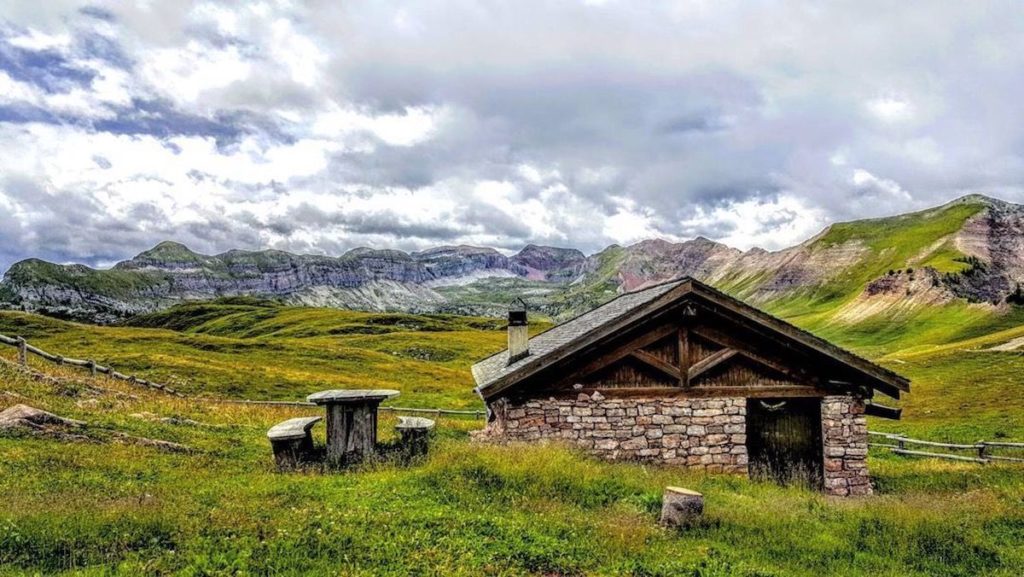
[103, 508]
[908, 241]
[259, 350]
[251, 349]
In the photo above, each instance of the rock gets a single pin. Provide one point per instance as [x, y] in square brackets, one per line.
[24, 416]
[157, 443]
[681, 507]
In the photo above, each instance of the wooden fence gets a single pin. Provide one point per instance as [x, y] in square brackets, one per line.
[25, 349]
[479, 413]
[980, 452]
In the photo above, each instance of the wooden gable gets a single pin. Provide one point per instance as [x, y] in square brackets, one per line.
[695, 341]
[692, 349]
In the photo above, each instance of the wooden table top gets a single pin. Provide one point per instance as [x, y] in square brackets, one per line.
[351, 396]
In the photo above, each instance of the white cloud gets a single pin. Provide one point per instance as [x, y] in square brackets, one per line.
[891, 109]
[770, 223]
[866, 181]
[434, 122]
[413, 126]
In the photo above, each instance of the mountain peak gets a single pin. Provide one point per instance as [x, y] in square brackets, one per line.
[169, 250]
[977, 198]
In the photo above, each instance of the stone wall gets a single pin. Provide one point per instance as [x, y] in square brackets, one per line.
[844, 431]
[702, 433]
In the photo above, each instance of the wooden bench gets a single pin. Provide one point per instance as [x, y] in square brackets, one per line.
[292, 441]
[415, 432]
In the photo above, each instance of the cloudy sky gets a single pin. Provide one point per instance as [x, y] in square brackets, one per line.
[321, 126]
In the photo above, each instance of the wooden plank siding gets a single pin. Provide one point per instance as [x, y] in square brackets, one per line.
[684, 335]
[700, 355]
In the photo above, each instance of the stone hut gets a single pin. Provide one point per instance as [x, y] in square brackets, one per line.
[682, 374]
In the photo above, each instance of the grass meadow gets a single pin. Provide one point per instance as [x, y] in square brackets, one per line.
[101, 506]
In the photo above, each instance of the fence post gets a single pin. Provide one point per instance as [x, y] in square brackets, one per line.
[92, 367]
[981, 450]
[22, 351]
[900, 444]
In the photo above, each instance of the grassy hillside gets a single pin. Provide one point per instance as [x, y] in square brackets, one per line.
[97, 506]
[904, 242]
[250, 349]
[247, 348]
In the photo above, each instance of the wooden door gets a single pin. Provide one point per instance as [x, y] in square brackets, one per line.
[784, 440]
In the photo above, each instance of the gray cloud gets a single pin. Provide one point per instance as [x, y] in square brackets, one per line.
[599, 122]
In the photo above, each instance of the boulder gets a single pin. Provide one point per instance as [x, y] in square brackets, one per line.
[26, 417]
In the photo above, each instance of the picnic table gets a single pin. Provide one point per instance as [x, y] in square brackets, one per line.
[351, 421]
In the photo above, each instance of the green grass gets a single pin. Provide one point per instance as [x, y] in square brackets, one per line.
[909, 241]
[102, 508]
[105, 508]
[259, 350]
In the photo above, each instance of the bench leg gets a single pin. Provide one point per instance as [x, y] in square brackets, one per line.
[291, 453]
[415, 443]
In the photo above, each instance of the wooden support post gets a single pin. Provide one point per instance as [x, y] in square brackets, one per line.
[684, 357]
[351, 432]
[981, 450]
[22, 352]
[92, 367]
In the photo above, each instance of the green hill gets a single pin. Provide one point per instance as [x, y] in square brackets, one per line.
[101, 505]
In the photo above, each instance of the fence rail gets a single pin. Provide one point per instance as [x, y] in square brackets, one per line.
[479, 413]
[25, 349]
[981, 450]
[897, 444]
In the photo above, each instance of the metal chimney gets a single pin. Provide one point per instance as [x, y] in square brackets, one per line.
[518, 331]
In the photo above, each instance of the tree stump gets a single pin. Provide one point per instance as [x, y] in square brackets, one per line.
[415, 433]
[681, 507]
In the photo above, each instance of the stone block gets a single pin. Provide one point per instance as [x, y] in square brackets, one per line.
[720, 439]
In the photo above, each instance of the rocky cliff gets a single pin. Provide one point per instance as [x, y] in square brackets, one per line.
[970, 250]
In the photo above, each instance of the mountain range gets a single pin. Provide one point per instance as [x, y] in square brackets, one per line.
[967, 254]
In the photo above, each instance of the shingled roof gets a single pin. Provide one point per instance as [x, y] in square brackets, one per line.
[495, 373]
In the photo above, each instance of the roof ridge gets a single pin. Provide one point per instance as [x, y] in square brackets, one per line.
[593, 310]
[564, 338]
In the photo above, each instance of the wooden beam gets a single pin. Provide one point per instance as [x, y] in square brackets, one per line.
[888, 382]
[707, 363]
[883, 411]
[728, 341]
[684, 357]
[654, 362]
[618, 353]
[751, 392]
[657, 308]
